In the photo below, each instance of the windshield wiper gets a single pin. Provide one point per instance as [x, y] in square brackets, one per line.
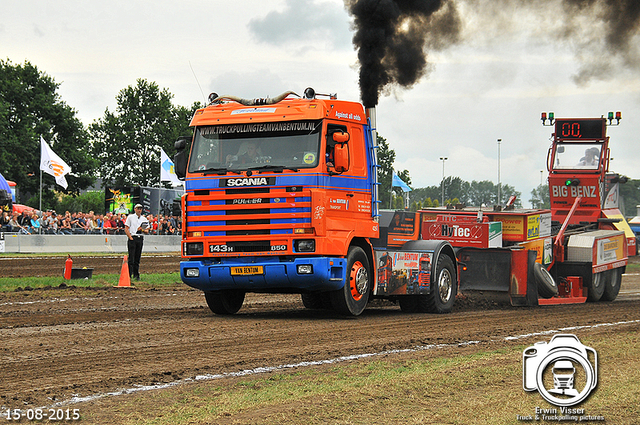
[218, 171]
[271, 167]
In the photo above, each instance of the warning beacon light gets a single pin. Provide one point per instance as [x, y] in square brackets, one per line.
[551, 118]
[618, 117]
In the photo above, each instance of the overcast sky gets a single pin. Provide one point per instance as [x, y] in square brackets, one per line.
[510, 64]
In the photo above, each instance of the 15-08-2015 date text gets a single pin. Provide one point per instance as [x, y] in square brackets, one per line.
[40, 414]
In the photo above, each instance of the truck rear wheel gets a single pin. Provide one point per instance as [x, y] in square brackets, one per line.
[443, 292]
[444, 287]
[612, 284]
[225, 302]
[352, 298]
[598, 283]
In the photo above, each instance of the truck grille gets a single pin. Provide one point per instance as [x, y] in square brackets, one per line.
[225, 214]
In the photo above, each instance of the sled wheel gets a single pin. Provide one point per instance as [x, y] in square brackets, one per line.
[547, 287]
[224, 302]
[352, 298]
[598, 284]
[612, 285]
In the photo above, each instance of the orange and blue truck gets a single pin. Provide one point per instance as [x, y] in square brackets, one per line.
[281, 196]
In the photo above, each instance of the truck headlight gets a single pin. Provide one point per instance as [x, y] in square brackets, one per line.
[192, 272]
[194, 248]
[305, 245]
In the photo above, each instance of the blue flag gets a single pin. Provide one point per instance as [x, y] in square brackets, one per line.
[396, 182]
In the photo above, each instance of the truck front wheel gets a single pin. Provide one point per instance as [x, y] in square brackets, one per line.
[224, 302]
[354, 295]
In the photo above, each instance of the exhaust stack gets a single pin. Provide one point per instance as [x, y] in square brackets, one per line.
[371, 116]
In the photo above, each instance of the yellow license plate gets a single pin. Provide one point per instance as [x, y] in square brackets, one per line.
[246, 270]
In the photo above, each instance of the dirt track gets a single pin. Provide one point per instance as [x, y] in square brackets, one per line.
[61, 343]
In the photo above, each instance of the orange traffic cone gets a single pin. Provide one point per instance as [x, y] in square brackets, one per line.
[125, 279]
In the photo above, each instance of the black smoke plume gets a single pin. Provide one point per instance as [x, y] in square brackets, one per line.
[393, 37]
[602, 33]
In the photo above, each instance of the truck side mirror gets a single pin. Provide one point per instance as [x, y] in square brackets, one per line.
[341, 158]
[180, 158]
[180, 144]
[341, 151]
[341, 137]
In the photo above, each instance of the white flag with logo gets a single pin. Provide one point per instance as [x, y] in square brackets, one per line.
[167, 173]
[52, 164]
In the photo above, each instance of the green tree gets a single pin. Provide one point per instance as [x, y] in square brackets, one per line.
[508, 191]
[127, 142]
[88, 201]
[425, 195]
[630, 197]
[386, 157]
[540, 197]
[455, 188]
[482, 193]
[30, 109]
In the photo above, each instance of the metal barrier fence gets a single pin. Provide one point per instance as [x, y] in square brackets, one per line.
[17, 243]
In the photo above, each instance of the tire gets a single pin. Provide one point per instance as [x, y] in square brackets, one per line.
[612, 285]
[444, 289]
[547, 287]
[224, 302]
[597, 287]
[353, 297]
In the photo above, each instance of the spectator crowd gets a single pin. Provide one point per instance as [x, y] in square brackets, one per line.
[51, 223]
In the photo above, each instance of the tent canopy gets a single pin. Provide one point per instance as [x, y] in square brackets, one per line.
[3, 184]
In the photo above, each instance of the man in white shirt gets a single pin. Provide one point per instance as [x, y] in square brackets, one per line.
[135, 225]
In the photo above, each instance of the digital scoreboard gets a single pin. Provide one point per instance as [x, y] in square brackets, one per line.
[581, 129]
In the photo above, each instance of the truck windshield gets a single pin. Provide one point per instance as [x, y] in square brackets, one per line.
[584, 156]
[236, 147]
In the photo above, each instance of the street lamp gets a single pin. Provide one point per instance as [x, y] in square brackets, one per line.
[443, 159]
[499, 140]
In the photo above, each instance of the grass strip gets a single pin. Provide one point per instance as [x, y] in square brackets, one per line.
[158, 280]
[457, 386]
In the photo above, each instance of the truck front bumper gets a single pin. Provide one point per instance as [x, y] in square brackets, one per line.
[296, 274]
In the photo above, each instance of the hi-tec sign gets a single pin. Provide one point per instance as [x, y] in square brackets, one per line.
[461, 233]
